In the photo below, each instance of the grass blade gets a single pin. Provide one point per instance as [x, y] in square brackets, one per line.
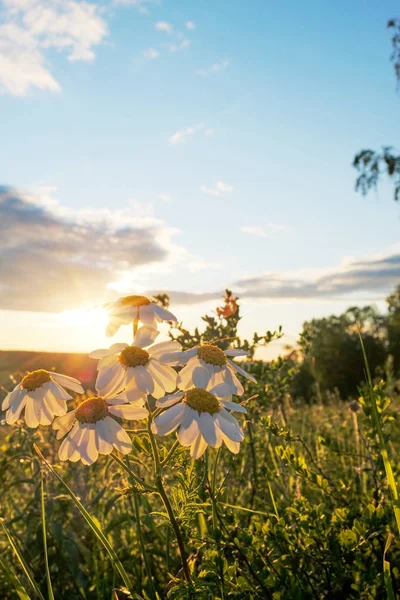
[22, 561]
[14, 581]
[46, 556]
[384, 452]
[386, 570]
[92, 524]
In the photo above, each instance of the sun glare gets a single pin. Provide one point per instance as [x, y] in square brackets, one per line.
[85, 317]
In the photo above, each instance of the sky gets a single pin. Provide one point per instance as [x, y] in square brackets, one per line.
[191, 146]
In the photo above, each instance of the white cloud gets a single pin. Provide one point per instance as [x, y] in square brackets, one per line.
[179, 137]
[178, 47]
[165, 197]
[220, 189]
[150, 54]
[31, 27]
[164, 26]
[267, 232]
[70, 257]
[139, 4]
[190, 25]
[215, 68]
[258, 231]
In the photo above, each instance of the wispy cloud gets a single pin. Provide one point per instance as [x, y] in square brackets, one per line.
[139, 4]
[164, 26]
[190, 25]
[179, 46]
[32, 27]
[255, 230]
[269, 231]
[364, 279]
[71, 257]
[215, 68]
[220, 189]
[180, 137]
[150, 54]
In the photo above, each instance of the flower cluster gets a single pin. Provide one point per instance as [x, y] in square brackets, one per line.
[196, 401]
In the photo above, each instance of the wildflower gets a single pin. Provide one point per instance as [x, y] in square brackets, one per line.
[91, 428]
[131, 308]
[43, 397]
[202, 418]
[207, 366]
[140, 369]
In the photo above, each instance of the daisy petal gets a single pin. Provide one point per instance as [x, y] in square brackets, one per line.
[233, 406]
[189, 430]
[198, 447]
[209, 431]
[201, 376]
[169, 400]
[69, 382]
[129, 412]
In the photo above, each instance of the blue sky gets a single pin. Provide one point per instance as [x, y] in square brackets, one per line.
[228, 127]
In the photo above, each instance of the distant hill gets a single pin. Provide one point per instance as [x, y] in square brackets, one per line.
[19, 362]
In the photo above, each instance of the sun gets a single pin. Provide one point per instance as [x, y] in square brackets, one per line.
[85, 317]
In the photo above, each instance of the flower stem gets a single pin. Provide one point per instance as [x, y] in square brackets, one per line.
[142, 546]
[170, 453]
[166, 502]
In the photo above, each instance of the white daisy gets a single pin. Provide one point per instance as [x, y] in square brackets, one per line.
[202, 418]
[140, 369]
[92, 429]
[207, 366]
[131, 308]
[43, 397]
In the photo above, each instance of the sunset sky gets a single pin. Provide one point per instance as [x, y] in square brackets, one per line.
[188, 146]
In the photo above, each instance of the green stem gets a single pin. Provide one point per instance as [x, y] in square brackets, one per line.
[170, 453]
[142, 546]
[46, 557]
[133, 475]
[215, 525]
[165, 499]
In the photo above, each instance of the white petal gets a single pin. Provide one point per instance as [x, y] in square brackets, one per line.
[209, 431]
[163, 314]
[164, 375]
[184, 380]
[201, 376]
[15, 409]
[31, 418]
[64, 424]
[232, 352]
[198, 447]
[189, 430]
[131, 394]
[178, 358]
[120, 439]
[112, 327]
[169, 400]
[242, 371]
[158, 350]
[104, 445]
[234, 447]
[147, 316]
[229, 429]
[144, 380]
[111, 351]
[110, 379]
[69, 382]
[159, 384]
[168, 420]
[223, 390]
[145, 336]
[58, 391]
[129, 412]
[9, 399]
[233, 406]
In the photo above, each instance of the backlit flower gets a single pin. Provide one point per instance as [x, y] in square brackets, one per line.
[202, 419]
[140, 369]
[207, 366]
[42, 395]
[131, 308]
[92, 429]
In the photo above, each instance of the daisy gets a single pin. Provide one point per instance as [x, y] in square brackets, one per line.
[140, 369]
[131, 308]
[43, 397]
[92, 429]
[202, 418]
[207, 366]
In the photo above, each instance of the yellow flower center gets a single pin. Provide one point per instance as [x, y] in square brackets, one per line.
[212, 355]
[134, 301]
[92, 410]
[133, 356]
[35, 379]
[202, 401]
